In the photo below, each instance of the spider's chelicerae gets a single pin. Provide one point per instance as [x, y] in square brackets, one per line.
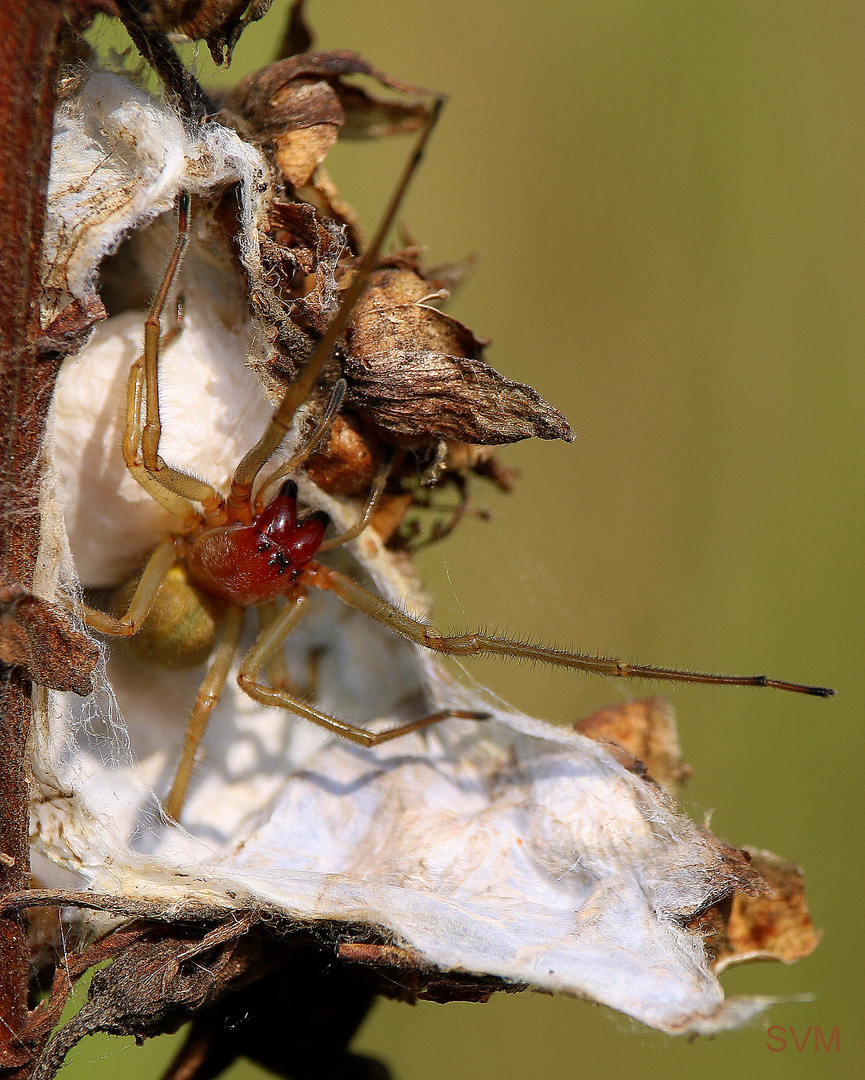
[230, 553]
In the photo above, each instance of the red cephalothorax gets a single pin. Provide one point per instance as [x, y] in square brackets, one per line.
[249, 564]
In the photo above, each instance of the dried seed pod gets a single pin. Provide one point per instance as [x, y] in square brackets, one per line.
[309, 90]
[417, 374]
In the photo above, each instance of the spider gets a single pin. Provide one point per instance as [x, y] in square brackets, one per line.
[235, 552]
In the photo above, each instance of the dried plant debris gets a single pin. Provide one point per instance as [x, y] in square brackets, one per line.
[643, 735]
[473, 855]
[766, 917]
[277, 998]
[300, 105]
[775, 925]
[219, 23]
[414, 373]
[41, 638]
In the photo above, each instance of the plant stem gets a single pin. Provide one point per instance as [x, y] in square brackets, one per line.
[29, 34]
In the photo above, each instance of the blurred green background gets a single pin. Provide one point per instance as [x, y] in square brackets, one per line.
[668, 202]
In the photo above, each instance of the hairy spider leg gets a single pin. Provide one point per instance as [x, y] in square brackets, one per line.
[252, 462]
[169, 500]
[181, 483]
[477, 644]
[167, 554]
[205, 700]
[267, 645]
[277, 668]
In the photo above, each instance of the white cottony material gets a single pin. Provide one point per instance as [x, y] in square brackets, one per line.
[114, 528]
[119, 160]
[507, 846]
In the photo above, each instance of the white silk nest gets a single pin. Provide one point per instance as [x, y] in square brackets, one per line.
[509, 847]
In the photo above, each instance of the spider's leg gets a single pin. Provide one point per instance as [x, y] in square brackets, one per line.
[277, 669]
[207, 697]
[166, 554]
[300, 455]
[375, 494]
[175, 504]
[260, 654]
[174, 480]
[477, 644]
[301, 388]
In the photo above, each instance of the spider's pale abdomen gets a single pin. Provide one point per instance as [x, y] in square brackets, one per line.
[181, 627]
[248, 564]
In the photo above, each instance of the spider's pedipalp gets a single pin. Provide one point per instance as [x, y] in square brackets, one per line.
[301, 388]
[308, 447]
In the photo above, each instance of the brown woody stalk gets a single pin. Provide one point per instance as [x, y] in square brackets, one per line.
[29, 32]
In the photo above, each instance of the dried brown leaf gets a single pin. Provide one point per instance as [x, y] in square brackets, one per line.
[645, 730]
[773, 926]
[766, 917]
[303, 102]
[417, 980]
[322, 193]
[255, 96]
[40, 638]
[219, 23]
[298, 105]
[301, 255]
[160, 975]
[369, 117]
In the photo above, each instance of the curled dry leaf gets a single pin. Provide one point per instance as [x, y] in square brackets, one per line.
[506, 850]
[219, 23]
[310, 91]
[775, 925]
[41, 638]
[644, 731]
[159, 976]
[298, 106]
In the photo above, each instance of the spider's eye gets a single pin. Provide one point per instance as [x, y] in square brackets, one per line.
[278, 520]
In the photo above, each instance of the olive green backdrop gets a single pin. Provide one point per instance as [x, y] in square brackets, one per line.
[669, 204]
